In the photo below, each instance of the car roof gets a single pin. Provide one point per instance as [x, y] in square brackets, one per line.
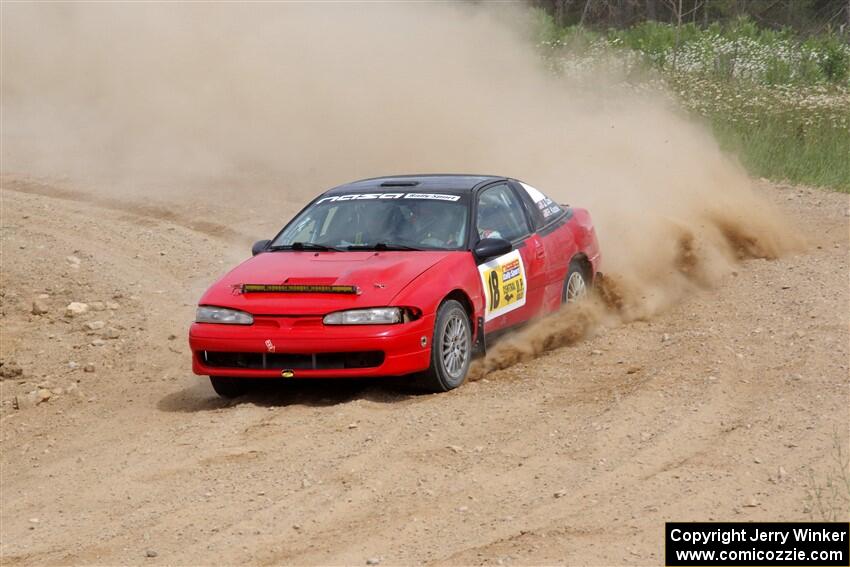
[427, 182]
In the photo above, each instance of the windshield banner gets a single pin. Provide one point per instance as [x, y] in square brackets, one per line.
[370, 196]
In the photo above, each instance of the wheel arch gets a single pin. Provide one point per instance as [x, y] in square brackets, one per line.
[586, 264]
[461, 297]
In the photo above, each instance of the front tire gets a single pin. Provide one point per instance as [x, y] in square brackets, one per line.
[451, 348]
[228, 387]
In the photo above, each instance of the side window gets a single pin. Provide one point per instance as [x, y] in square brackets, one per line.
[500, 214]
[547, 210]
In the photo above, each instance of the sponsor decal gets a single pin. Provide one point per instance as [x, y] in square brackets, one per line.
[361, 197]
[510, 270]
[432, 196]
[299, 288]
[503, 279]
[372, 196]
[547, 206]
[551, 210]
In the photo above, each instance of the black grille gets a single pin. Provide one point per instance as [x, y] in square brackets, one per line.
[317, 361]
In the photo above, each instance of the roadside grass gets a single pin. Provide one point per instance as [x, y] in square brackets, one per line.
[778, 102]
[780, 132]
[828, 498]
[817, 156]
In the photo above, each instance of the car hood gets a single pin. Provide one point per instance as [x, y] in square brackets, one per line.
[379, 276]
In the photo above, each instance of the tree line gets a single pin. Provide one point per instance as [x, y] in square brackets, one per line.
[803, 16]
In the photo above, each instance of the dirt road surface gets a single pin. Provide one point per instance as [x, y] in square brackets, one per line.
[728, 406]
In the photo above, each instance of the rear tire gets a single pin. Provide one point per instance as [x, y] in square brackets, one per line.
[577, 283]
[228, 387]
[451, 349]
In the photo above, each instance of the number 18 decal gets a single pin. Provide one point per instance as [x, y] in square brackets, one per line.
[503, 279]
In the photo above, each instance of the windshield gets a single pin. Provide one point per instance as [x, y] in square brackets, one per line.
[388, 221]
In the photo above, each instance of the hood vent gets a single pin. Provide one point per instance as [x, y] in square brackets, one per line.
[306, 281]
[399, 183]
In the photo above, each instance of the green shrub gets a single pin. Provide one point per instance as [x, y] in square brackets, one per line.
[778, 72]
[836, 60]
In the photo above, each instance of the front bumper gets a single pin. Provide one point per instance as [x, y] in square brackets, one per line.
[276, 337]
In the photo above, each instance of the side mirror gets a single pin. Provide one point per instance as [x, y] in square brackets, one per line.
[260, 246]
[491, 247]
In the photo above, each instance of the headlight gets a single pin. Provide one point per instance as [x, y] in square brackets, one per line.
[377, 316]
[207, 314]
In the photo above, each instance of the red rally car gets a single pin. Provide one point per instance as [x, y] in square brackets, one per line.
[406, 275]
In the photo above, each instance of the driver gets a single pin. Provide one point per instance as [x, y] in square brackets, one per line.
[447, 228]
[413, 227]
[428, 225]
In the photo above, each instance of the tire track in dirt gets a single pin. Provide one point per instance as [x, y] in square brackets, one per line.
[155, 212]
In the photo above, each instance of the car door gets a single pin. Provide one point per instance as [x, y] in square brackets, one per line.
[513, 283]
[550, 220]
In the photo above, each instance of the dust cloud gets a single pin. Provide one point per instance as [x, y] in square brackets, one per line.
[259, 106]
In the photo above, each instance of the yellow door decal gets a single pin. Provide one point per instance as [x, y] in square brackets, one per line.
[503, 279]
